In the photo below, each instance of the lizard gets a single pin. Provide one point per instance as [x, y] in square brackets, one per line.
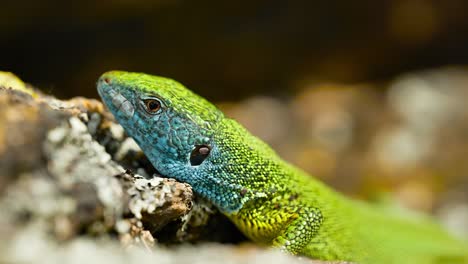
[272, 202]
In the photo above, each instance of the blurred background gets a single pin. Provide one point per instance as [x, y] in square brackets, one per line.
[368, 96]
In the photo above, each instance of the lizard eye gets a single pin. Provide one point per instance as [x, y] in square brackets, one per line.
[152, 106]
[199, 154]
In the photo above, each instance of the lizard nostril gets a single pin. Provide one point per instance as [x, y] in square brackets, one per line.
[107, 80]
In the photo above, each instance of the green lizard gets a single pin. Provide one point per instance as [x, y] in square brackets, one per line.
[269, 200]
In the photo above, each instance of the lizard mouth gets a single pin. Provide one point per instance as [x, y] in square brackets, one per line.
[115, 101]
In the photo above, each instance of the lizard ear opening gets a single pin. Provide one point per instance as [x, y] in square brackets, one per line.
[199, 154]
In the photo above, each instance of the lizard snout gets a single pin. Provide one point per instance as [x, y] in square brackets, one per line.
[115, 101]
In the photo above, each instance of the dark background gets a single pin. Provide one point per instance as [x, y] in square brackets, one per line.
[227, 50]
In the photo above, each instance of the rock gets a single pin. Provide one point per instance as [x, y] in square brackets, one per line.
[49, 156]
[23, 126]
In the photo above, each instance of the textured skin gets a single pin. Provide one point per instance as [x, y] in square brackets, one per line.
[269, 200]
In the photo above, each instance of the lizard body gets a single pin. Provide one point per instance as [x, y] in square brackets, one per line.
[269, 200]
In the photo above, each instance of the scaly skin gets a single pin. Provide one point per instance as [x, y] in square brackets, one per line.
[269, 200]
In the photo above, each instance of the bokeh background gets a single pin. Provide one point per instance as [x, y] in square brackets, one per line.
[369, 96]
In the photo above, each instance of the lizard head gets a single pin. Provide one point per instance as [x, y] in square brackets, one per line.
[187, 138]
[171, 124]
